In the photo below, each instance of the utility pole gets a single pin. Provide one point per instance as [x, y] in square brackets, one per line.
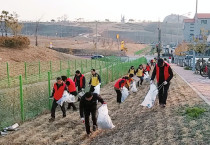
[96, 36]
[196, 11]
[159, 41]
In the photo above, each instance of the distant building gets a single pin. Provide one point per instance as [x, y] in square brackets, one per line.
[194, 27]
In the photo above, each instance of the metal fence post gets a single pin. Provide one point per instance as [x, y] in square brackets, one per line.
[21, 99]
[107, 75]
[49, 90]
[100, 72]
[60, 66]
[68, 73]
[8, 77]
[95, 63]
[51, 68]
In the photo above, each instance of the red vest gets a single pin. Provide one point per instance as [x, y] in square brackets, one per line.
[59, 92]
[117, 84]
[80, 79]
[72, 86]
[166, 73]
[148, 68]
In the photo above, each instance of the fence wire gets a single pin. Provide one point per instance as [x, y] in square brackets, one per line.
[25, 96]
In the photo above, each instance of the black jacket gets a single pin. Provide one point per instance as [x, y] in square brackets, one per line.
[161, 77]
[87, 106]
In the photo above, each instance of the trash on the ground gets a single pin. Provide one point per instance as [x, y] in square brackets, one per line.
[3, 133]
[104, 121]
[97, 89]
[133, 87]
[149, 100]
[66, 98]
[125, 94]
[14, 127]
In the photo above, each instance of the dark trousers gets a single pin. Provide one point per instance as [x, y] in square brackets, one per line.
[119, 96]
[163, 93]
[92, 88]
[87, 122]
[72, 104]
[54, 106]
[79, 89]
[140, 81]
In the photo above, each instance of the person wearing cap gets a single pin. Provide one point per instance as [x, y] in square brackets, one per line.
[58, 89]
[118, 87]
[163, 74]
[131, 70]
[88, 105]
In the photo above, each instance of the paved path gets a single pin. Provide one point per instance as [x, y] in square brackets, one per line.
[198, 83]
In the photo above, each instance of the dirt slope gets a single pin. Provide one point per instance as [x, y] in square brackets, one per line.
[134, 123]
[32, 54]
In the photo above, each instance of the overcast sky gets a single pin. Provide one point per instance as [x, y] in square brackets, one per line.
[153, 10]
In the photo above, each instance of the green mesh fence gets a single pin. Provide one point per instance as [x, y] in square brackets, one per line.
[27, 95]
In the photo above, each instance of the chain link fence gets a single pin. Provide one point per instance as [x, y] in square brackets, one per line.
[25, 96]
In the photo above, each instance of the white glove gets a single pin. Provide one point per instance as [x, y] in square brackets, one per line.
[83, 120]
[151, 82]
[165, 83]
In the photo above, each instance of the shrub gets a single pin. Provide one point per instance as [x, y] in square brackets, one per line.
[14, 42]
[194, 112]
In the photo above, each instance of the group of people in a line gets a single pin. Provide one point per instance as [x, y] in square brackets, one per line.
[88, 102]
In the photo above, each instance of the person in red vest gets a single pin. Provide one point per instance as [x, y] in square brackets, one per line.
[57, 93]
[79, 80]
[118, 87]
[148, 68]
[71, 87]
[164, 74]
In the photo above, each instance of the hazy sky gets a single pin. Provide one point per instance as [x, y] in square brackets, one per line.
[102, 9]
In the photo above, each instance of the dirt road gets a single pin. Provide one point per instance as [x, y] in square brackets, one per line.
[134, 123]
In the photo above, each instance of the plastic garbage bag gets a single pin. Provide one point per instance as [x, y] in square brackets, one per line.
[125, 94]
[146, 76]
[133, 87]
[66, 98]
[97, 89]
[104, 121]
[80, 94]
[149, 100]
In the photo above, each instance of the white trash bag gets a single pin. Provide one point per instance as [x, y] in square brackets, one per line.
[104, 121]
[146, 76]
[149, 100]
[97, 89]
[80, 94]
[66, 98]
[133, 87]
[125, 94]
